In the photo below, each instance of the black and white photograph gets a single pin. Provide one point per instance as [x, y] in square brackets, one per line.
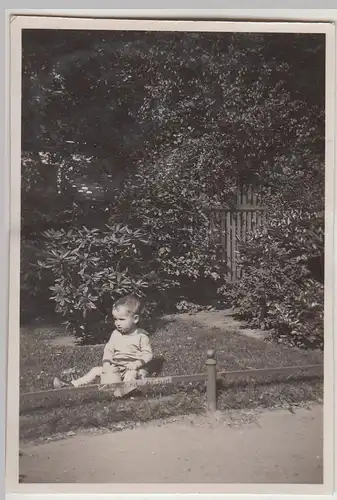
[172, 255]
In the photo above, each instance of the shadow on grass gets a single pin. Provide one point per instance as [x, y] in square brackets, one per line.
[155, 366]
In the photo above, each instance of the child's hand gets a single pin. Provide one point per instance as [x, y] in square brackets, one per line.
[134, 365]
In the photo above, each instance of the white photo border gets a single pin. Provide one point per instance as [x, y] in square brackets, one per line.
[315, 22]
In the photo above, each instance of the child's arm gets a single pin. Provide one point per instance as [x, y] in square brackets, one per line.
[109, 351]
[146, 353]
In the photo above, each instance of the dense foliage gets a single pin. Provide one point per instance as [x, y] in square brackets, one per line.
[91, 268]
[282, 289]
[146, 131]
[167, 200]
[279, 290]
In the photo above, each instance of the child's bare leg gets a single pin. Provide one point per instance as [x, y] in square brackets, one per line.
[88, 377]
[129, 377]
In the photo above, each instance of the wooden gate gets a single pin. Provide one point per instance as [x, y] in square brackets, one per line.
[230, 225]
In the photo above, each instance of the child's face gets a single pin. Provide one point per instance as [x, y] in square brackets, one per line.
[125, 321]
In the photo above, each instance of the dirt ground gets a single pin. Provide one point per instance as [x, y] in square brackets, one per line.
[274, 446]
[222, 320]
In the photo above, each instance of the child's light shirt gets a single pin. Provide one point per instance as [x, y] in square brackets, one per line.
[122, 349]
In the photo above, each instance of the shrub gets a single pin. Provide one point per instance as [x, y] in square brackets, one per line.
[90, 269]
[168, 199]
[280, 291]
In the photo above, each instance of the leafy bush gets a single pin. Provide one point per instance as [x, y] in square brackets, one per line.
[169, 200]
[91, 268]
[282, 287]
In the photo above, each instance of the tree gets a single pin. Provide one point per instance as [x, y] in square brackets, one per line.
[180, 119]
[130, 95]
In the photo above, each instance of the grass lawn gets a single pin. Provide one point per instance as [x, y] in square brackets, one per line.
[183, 347]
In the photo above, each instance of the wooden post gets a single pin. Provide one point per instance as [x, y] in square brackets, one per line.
[211, 380]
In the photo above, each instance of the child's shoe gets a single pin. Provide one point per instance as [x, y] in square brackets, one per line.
[59, 384]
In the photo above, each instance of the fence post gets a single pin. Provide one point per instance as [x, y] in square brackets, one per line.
[211, 380]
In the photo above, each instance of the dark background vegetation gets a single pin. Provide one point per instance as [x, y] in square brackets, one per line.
[128, 138]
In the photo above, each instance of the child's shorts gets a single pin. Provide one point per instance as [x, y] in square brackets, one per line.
[115, 374]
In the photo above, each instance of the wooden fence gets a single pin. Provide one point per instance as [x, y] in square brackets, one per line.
[231, 225]
[29, 401]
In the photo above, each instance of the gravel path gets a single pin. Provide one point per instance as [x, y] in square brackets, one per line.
[276, 447]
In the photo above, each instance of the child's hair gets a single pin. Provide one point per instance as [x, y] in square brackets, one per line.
[131, 303]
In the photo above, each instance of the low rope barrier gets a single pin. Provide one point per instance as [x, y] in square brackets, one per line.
[210, 377]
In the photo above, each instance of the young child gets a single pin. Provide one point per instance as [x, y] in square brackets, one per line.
[127, 352]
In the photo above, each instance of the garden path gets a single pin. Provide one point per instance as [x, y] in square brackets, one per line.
[222, 320]
[274, 446]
